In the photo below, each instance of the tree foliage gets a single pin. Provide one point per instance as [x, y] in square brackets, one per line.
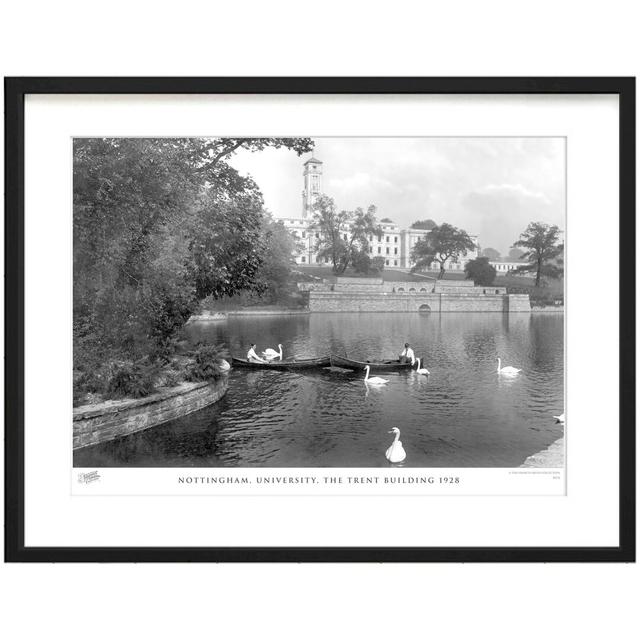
[491, 253]
[342, 235]
[424, 224]
[542, 250]
[158, 225]
[480, 271]
[377, 264]
[439, 245]
[515, 253]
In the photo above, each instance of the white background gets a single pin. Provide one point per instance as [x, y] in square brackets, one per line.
[587, 516]
[453, 38]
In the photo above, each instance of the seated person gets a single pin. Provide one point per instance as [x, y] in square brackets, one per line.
[252, 356]
[407, 355]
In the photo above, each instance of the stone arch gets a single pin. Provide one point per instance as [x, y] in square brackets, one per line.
[411, 289]
[424, 308]
[423, 289]
[400, 289]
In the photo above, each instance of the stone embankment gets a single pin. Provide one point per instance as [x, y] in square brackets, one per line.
[93, 424]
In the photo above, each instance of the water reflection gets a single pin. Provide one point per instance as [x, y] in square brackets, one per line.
[463, 414]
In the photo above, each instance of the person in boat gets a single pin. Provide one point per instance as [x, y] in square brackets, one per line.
[407, 354]
[252, 356]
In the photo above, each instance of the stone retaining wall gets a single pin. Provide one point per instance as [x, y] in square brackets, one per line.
[339, 301]
[93, 424]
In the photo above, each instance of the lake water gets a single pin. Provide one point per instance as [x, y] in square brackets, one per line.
[463, 415]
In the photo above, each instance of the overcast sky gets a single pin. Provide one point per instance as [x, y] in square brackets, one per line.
[491, 187]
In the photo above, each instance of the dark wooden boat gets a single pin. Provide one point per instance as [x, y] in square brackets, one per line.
[376, 365]
[284, 365]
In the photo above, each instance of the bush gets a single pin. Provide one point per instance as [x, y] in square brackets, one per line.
[207, 360]
[132, 380]
[377, 264]
[480, 271]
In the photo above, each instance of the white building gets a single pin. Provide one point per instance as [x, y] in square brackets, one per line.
[503, 267]
[394, 244]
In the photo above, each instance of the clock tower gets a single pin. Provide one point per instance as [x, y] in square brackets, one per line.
[312, 186]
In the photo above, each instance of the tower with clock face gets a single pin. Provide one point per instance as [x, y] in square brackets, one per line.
[312, 186]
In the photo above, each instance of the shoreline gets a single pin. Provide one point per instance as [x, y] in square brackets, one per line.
[552, 456]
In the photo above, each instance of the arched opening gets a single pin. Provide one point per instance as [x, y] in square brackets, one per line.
[400, 289]
[424, 308]
[423, 289]
[412, 289]
[497, 291]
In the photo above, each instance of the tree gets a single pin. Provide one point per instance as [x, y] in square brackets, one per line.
[542, 247]
[275, 272]
[377, 264]
[515, 253]
[361, 262]
[440, 244]
[342, 235]
[424, 224]
[158, 225]
[480, 271]
[491, 253]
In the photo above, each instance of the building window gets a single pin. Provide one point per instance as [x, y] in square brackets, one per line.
[379, 249]
[395, 250]
[395, 263]
[387, 250]
[370, 249]
[304, 234]
[303, 259]
[370, 238]
[387, 238]
[395, 238]
[326, 260]
[344, 237]
[386, 262]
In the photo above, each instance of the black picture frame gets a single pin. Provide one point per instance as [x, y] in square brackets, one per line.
[15, 91]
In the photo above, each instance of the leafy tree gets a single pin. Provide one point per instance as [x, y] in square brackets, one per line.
[342, 235]
[377, 264]
[361, 262]
[158, 225]
[515, 253]
[440, 244]
[542, 248]
[275, 273]
[480, 271]
[386, 220]
[424, 224]
[491, 253]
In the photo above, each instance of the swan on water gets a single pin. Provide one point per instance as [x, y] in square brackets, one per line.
[396, 452]
[510, 371]
[560, 418]
[423, 371]
[223, 365]
[272, 353]
[375, 379]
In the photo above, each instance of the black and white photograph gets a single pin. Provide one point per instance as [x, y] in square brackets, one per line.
[327, 302]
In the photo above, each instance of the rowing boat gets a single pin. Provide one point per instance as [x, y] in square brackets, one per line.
[310, 363]
[375, 365]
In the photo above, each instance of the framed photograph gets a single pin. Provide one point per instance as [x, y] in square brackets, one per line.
[320, 319]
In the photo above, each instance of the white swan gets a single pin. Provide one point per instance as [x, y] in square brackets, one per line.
[375, 379]
[509, 371]
[560, 418]
[223, 365]
[396, 452]
[269, 354]
[423, 371]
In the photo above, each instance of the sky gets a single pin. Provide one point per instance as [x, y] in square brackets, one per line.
[491, 187]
